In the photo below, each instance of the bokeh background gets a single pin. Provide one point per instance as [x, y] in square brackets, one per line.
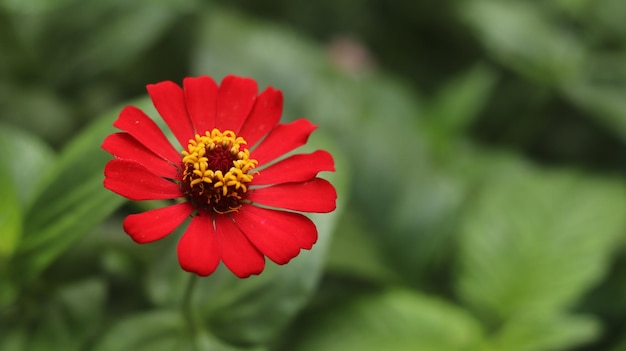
[480, 150]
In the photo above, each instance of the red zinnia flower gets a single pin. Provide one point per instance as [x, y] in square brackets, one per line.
[223, 176]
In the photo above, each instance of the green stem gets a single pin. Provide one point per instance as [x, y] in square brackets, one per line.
[187, 310]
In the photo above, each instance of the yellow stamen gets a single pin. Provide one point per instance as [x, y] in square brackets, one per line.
[216, 170]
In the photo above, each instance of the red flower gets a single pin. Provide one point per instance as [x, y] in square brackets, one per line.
[234, 194]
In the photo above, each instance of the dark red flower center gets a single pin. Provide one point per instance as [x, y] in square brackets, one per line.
[220, 159]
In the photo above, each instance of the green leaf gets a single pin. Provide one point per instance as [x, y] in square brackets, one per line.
[130, 30]
[532, 242]
[70, 317]
[606, 103]
[31, 7]
[158, 330]
[26, 160]
[155, 331]
[419, 236]
[604, 17]
[524, 38]
[11, 204]
[99, 37]
[73, 200]
[229, 43]
[253, 311]
[396, 320]
[460, 101]
[545, 332]
[10, 218]
[354, 252]
[26, 108]
[13, 338]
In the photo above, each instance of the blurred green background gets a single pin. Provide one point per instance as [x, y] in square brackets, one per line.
[481, 162]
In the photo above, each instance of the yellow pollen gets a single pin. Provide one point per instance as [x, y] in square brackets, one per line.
[216, 171]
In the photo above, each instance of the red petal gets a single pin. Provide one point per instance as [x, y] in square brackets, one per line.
[317, 195]
[235, 99]
[156, 224]
[201, 99]
[198, 250]
[135, 182]
[278, 235]
[122, 145]
[282, 139]
[144, 130]
[264, 116]
[296, 168]
[169, 100]
[237, 253]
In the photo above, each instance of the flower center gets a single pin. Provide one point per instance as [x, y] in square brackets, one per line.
[215, 171]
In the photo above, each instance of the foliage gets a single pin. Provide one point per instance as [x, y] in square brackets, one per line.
[480, 149]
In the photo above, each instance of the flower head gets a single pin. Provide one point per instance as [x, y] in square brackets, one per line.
[243, 203]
